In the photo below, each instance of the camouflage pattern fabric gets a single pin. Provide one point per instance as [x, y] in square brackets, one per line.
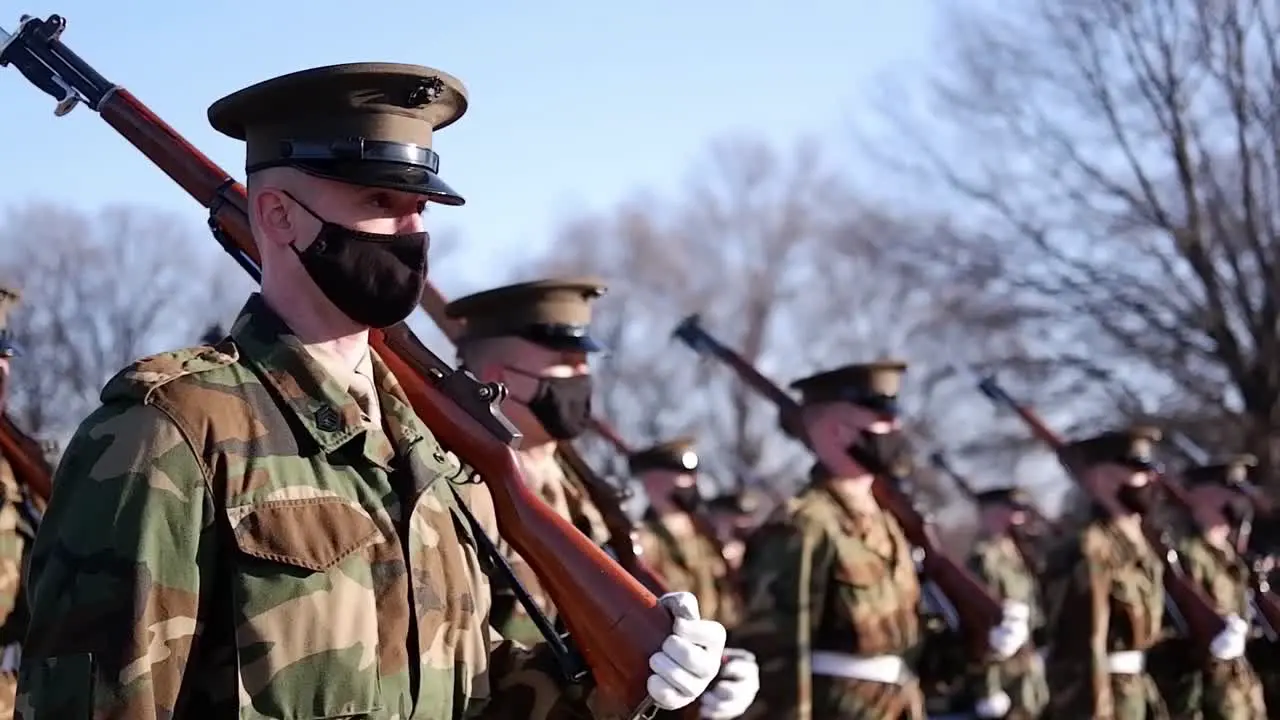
[228, 539]
[1225, 690]
[1110, 599]
[815, 579]
[15, 534]
[563, 491]
[998, 563]
[690, 562]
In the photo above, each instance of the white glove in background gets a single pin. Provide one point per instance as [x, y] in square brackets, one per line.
[1229, 644]
[995, 706]
[1013, 631]
[690, 656]
[735, 689]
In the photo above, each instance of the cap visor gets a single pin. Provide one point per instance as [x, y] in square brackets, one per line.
[584, 343]
[393, 176]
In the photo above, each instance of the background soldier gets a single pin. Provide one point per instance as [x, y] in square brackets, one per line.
[1108, 602]
[1015, 688]
[265, 528]
[16, 532]
[832, 595]
[673, 541]
[1223, 689]
[533, 337]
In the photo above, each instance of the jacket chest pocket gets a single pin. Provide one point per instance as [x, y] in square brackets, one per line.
[305, 616]
[863, 583]
[872, 605]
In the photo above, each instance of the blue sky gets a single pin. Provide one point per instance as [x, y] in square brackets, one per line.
[573, 104]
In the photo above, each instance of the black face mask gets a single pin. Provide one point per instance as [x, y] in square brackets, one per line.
[883, 453]
[561, 404]
[1137, 498]
[687, 499]
[1237, 511]
[374, 279]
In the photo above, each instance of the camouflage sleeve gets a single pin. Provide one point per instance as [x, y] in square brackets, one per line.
[522, 681]
[12, 543]
[990, 680]
[1079, 659]
[118, 566]
[784, 579]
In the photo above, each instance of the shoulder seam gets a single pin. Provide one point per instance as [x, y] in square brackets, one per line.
[162, 406]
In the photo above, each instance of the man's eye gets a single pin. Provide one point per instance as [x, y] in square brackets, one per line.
[380, 200]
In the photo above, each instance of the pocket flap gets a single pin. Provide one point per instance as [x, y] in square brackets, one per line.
[311, 533]
[860, 568]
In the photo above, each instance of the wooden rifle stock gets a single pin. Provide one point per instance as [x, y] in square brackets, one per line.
[977, 610]
[606, 498]
[615, 622]
[26, 457]
[1202, 620]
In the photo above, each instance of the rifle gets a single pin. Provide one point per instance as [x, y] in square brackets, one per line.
[978, 612]
[1203, 623]
[26, 457]
[616, 623]
[607, 498]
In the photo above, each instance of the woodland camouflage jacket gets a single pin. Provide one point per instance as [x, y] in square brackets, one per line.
[228, 539]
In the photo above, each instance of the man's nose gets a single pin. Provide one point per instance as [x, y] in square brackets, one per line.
[413, 223]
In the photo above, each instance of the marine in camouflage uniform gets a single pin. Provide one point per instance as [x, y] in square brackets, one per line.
[1107, 595]
[673, 542]
[832, 596]
[533, 337]
[265, 529]
[16, 533]
[1015, 688]
[1224, 689]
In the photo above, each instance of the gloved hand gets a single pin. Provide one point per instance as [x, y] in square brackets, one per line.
[690, 656]
[993, 706]
[1229, 644]
[1013, 631]
[735, 688]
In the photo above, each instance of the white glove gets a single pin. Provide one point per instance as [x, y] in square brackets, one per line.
[1229, 644]
[735, 689]
[1013, 631]
[994, 706]
[690, 656]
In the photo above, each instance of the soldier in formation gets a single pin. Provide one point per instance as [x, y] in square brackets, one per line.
[1221, 689]
[830, 580]
[675, 542]
[17, 530]
[264, 528]
[534, 338]
[1015, 688]
[1109, 601]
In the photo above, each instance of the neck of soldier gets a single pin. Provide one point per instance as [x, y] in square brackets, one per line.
[856, 491]
[318, 323]
[662, 505]
[1218, 535]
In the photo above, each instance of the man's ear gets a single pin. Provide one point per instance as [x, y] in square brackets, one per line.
[271, 217]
